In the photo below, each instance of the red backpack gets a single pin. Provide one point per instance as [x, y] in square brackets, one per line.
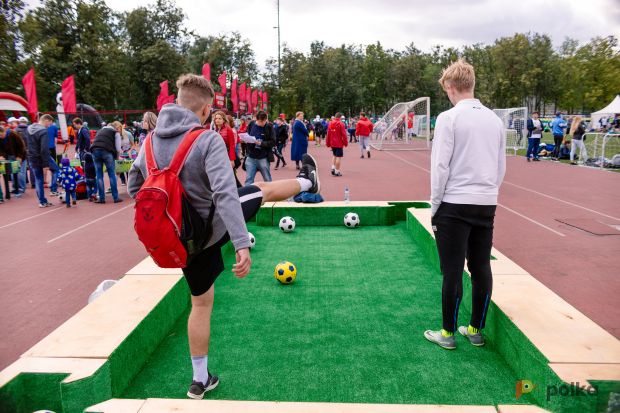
[166, 222]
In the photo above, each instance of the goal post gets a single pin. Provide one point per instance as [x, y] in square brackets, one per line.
[405, 127]
[515, 127]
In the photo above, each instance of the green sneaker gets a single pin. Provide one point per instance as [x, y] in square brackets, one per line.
[475, 339]
[449, 343]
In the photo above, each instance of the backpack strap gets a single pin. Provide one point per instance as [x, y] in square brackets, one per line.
[151, 164]
[185, 147]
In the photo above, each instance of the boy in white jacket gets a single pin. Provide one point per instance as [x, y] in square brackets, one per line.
[468, 163]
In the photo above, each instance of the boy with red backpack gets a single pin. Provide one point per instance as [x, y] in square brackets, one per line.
[188, 207]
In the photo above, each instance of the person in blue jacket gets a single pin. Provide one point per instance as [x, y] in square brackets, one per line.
[557, 127]
[300, 139]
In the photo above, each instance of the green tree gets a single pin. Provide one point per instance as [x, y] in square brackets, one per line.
[11, 62]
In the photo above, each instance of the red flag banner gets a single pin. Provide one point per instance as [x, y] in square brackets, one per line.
[248, 98]
[163, 97]
[233, 96]
[220, 101]
[68, 95]
[242, 96]
[265, 97]
[31, 92]
[206, 71]
[242, 106]
[222, 80]
[255, 100]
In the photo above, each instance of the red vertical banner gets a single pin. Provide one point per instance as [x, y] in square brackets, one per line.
[255, 101]
[206, 71]
[68, 95]
[31, 92]
[233, 95]
[222, 80]
[242, 96]
[163, 97]
[248, 98]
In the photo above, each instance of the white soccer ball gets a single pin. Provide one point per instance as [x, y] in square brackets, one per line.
[351, 220]
[287, 224]
[252, 240]
[61, 197]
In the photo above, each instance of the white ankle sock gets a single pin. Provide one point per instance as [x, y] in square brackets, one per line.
[201, 372]
[337, 171]
[333, 167]
[304, 183]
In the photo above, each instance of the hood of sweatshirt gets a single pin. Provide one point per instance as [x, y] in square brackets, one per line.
[175, 120]
[36, 127]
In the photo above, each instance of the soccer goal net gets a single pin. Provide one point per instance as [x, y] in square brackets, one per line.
[515, 126]
[405, 127]
[601, 148]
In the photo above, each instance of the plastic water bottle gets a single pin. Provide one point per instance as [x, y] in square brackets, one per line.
[346, 196]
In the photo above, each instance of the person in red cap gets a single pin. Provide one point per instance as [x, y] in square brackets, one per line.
[336, 139]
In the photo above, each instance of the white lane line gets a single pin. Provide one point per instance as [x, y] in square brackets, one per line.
[566, 202]
[514, 212]
[531, 220]
[408, 162]
[91, 222]
[34, 216]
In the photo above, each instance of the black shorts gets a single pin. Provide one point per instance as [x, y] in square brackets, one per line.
[203, 268]
[338, 152]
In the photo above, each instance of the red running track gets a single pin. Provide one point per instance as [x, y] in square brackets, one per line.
[53, 259]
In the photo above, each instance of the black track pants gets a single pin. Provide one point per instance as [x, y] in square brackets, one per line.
[464, 231]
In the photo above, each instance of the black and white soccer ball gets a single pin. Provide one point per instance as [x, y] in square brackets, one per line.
[287, 224]
[62, 197]
[252, 240]
[351, 220]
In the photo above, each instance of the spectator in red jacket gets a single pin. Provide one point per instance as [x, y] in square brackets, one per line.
[226, 132]
[336, 138]
[362, 130]
[243, 128]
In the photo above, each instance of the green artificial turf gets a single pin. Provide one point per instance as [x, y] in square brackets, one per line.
[348, 329]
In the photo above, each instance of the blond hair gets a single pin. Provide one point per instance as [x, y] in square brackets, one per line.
[460, 75]
[119, 128]
[298, 113]
[575, 124]
[151, 118]
[194, 92]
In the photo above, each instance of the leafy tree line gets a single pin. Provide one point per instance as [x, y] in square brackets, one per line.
[119, 60]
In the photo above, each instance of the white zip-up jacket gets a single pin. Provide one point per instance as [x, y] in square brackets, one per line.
[468, 161]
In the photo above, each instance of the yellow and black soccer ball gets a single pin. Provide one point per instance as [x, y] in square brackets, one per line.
[285, 272]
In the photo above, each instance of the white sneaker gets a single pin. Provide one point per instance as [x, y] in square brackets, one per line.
[45, 205]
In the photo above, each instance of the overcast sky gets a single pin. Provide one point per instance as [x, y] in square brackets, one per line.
[395, 23]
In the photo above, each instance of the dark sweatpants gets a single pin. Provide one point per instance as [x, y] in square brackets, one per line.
[464, 231]
[557, 139]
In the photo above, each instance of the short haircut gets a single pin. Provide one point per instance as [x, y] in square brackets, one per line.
[279, 119]
[47, 117]
[261, 115]
[194, 92]
[536, 112]
[222, 115]
[567, 141]
[460, 75]
[338, 115]
[298, 113]
[363, 114]
[77, 121]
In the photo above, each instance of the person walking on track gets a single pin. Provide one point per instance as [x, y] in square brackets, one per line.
[336, 139]
[363, 130]
[557, 128]
[468, 163]
[210, 186]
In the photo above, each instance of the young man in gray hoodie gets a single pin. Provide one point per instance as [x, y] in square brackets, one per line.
[208, 177]
[39, 154]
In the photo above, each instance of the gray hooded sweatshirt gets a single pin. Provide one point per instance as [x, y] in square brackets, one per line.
[206, 175]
